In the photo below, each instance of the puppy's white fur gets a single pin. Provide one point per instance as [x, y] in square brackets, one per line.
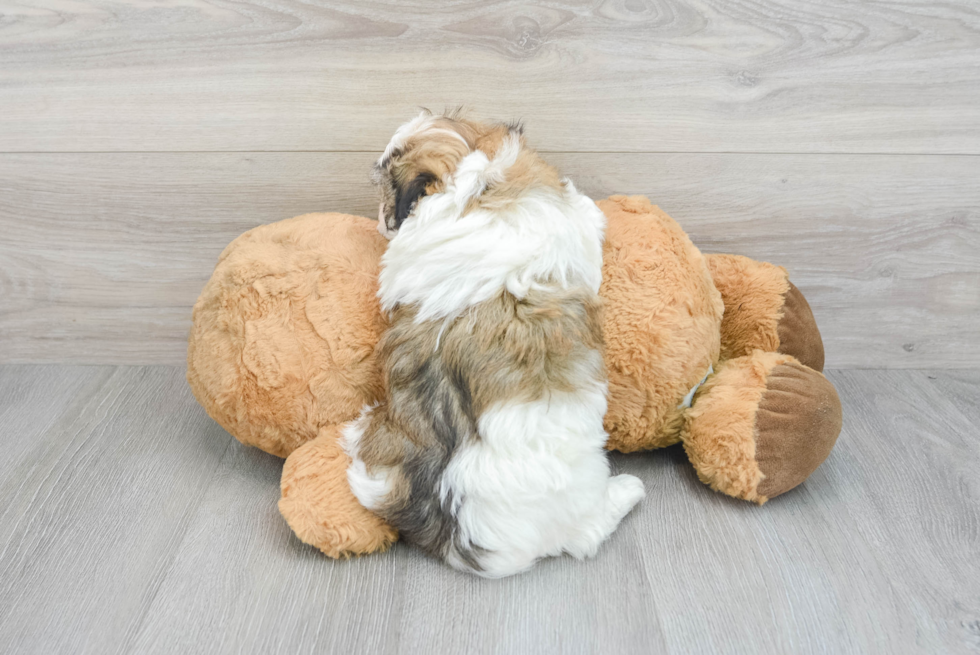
[372, 487]
[446, 261]
[537, 481]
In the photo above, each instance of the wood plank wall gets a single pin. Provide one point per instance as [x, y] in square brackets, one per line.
[840, 139]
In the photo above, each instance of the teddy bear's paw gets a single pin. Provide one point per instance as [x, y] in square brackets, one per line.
[761, 425]
[319, 506]
[764, 311]
[796, 426]
[797, 329]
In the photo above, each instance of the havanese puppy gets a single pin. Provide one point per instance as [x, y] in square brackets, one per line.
[489, 450]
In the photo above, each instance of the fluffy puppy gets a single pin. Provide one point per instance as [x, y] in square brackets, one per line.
[489, 451]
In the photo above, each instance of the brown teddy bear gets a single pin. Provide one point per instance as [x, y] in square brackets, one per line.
[719, 352]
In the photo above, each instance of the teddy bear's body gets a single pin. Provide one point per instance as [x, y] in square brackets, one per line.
[282, 354]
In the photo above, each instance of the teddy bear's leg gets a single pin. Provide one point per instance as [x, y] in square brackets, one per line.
[319, 506]
[764, 311]
[761, 425]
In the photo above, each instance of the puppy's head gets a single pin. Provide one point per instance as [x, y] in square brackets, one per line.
[425, 154]
[418, 160]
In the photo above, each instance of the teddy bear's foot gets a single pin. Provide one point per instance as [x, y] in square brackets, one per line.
[319, 506]
[761, 425]
[764, 311]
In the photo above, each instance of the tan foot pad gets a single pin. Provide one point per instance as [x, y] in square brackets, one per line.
[761, 425]
[764, 311]
[796, 426]
[797, 329]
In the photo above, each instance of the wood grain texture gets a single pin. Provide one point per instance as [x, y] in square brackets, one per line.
[103, 255]
[138, 138]
[139, 526]
[94, 500]
[613, 75]
[24, 389]
[961, 389]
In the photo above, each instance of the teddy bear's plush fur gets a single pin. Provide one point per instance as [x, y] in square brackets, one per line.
[282, 354]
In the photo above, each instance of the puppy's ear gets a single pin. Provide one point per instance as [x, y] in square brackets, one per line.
[476, 172]
[408, 196]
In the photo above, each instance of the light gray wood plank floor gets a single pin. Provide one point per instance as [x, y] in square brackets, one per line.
[131, 523]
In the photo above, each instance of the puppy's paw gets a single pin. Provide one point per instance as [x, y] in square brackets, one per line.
[624, 492]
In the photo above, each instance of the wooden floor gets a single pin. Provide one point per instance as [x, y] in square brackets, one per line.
[131, 523]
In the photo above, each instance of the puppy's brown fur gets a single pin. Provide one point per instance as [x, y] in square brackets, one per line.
[423, 162]
[442, 375]
[501, 350]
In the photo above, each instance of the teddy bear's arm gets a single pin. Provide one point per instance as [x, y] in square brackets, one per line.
[764, 311]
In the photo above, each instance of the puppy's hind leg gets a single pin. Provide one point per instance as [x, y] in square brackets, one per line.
[623, 492]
